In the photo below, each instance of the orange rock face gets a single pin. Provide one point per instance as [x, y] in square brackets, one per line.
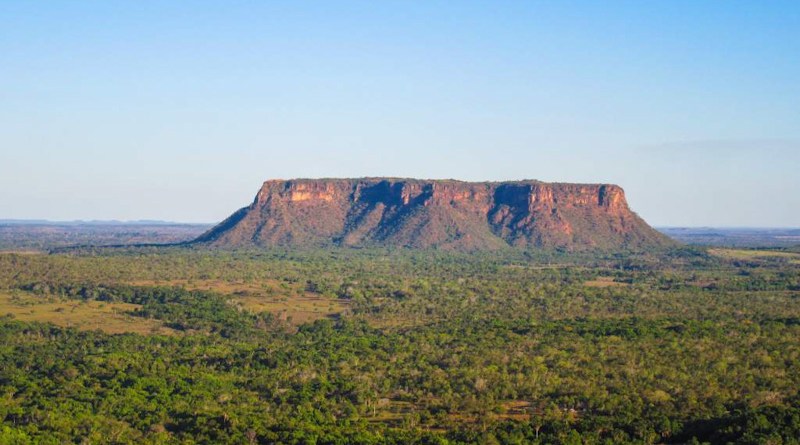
[435, 214]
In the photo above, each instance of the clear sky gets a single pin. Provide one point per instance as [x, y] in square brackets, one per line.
[179, 110]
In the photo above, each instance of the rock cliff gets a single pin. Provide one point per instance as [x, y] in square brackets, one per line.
[435, 214]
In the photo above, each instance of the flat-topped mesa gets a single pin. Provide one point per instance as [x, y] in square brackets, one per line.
[294, 191]
[435, 214]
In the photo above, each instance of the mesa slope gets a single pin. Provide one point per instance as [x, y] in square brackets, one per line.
[435, 214]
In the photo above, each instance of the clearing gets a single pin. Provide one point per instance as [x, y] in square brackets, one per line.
[85, 315]
[605, 282]
[292, 305]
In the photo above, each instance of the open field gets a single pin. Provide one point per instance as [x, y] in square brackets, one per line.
[294, 309]
[111, 318]
[292, 305]
[604, 282]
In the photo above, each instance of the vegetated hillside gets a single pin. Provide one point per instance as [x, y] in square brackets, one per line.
[435, 214]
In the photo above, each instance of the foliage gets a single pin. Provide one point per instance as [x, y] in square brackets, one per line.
[434, 348]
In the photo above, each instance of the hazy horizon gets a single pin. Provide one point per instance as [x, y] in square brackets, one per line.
[148, 111]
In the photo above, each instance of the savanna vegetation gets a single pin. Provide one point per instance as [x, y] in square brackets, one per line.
[180, 346]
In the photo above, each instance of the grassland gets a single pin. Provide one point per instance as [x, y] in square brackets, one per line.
[290, 303]
[604, 282]
[111, 318]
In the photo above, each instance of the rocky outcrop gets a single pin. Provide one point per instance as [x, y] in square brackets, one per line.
[435, 214]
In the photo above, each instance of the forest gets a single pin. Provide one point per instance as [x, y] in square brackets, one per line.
[177, 345]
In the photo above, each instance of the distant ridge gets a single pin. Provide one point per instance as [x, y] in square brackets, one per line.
[445, 214]
[112, 222]
[765, 237]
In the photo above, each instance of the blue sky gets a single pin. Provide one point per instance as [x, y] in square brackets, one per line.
[179, 110]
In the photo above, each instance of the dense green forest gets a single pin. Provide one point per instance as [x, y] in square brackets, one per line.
[397, 346]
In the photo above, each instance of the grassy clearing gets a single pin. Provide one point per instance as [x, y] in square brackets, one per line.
[604, 282]
[394, 412]
[110, 318]
[225, 287]
[292, 305]
[748, 254]
[519, 410]
[294, 309]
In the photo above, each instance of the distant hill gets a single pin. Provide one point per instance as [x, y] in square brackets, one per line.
[445, 214]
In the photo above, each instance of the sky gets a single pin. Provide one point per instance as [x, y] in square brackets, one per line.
[179, 111]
